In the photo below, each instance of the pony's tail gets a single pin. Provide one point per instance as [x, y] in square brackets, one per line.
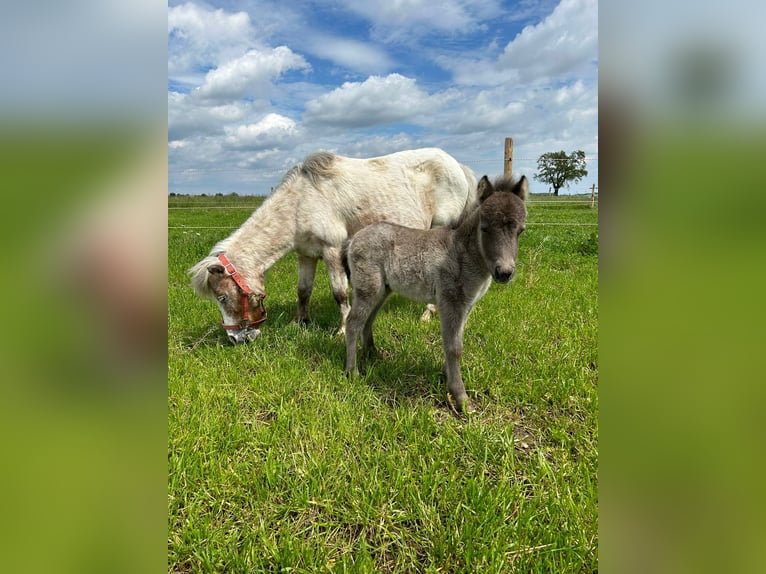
[344, 257]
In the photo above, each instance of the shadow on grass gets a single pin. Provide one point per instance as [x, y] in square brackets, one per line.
[280, 317]
[398, 376]
[324, 316]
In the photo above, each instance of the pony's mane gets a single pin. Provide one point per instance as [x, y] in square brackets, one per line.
[292, 174]
[318, 166]
[314, 167]
[199, 274]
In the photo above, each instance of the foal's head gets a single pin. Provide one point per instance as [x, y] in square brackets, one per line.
[502, 215]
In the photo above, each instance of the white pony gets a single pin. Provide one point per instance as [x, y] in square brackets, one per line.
[317, 206]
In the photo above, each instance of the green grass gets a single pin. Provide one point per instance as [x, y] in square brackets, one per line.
[279, 463]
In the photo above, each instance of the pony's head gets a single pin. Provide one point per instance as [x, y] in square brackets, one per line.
[242, 309]
[502, 218]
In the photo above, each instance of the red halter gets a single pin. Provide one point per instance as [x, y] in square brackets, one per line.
[246, 292]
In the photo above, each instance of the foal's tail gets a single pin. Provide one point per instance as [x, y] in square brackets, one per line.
[344, 257]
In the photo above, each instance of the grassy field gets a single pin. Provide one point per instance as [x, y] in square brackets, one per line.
[278, 463]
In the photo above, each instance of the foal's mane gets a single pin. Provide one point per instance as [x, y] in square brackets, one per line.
[502, 184]
[467, 212]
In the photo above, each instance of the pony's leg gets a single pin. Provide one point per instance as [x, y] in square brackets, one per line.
[452, 325]
[338, 284]
[307, 267]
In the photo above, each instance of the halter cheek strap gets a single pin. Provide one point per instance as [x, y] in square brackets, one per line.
[246, 292]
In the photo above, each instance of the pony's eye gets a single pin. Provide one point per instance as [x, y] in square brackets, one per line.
[222, 298]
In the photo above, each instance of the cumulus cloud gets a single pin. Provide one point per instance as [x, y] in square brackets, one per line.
[273, 130]
[486, 114]
[378, 100]
[200, 38]
[250, 74]
[561, 47]
[186, 117]
[238, 102]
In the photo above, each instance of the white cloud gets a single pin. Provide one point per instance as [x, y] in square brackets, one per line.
[561, 47]
[378, 100]
[397, 20]
[245, 113]
[351, 54]
[200, 38]
[250, 74]
[186, 117]
[484, 113]
[271, 131]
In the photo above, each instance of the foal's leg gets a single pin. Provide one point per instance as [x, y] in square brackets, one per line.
[357, 317]
[369, 296]
[452, 325]
[307, 267]
[367, 341]
[338, 284]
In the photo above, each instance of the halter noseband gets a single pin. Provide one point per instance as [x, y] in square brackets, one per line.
[246, 292]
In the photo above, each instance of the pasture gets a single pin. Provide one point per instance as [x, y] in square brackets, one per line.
[279, 463]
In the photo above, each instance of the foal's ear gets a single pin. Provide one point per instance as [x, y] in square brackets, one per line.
[521, 188]
[215, 269]
[484, 189]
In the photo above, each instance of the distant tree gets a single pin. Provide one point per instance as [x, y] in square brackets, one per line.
[558, 169]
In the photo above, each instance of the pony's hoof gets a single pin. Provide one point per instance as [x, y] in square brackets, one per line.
[428, 313]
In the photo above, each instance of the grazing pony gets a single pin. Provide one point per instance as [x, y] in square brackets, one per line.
[450, 267]
[318, 205]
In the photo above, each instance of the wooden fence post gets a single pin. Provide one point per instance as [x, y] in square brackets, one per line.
[508, 161]
[592, 195]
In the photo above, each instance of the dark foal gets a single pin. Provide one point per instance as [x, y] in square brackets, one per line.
[451, 267]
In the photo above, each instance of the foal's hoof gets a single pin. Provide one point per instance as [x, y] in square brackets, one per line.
[460, 405]
[352, 373]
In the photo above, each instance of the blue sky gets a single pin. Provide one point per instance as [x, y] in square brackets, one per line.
[254, 86]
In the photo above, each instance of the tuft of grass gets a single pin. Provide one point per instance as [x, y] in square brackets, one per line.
[278, 462]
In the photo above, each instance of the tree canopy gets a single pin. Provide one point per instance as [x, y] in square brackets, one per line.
[558, 169]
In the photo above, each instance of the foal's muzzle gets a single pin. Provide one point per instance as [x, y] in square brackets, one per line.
[503, 275]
